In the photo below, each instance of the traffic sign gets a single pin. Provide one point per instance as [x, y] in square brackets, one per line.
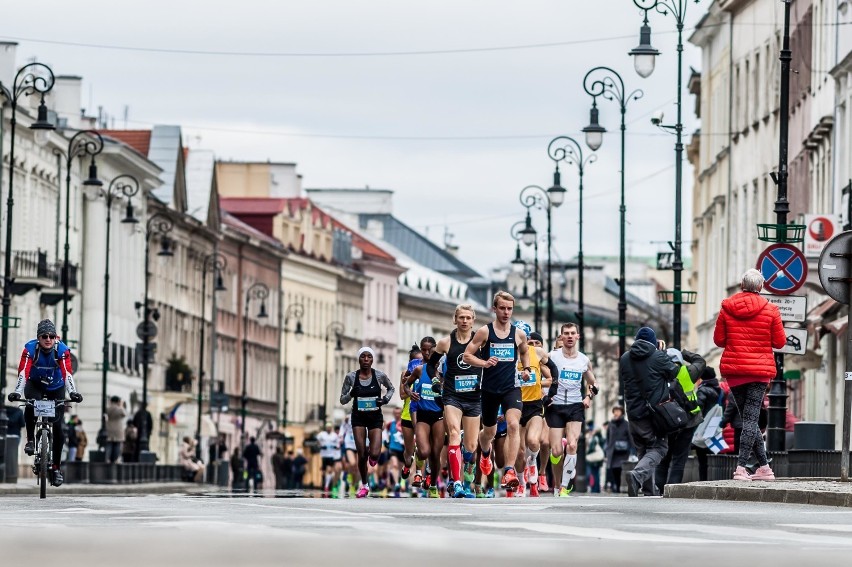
[784, 268]
[797, 341]
[793, 308]
[835, 267]
[146, 329]
[819, 230]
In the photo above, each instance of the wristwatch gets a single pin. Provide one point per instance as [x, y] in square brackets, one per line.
[527, 368]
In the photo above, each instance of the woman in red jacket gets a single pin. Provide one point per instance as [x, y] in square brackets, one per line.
[748, 328]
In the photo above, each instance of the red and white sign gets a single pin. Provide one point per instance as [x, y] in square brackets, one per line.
[819, 229]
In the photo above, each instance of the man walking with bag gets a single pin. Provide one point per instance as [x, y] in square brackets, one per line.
[646, 371]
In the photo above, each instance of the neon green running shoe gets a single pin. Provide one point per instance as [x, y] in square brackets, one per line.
[565, 492]
[433, 492]
[469, 472]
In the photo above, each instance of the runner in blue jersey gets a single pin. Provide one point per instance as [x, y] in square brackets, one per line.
[496, 349]
[429, 429]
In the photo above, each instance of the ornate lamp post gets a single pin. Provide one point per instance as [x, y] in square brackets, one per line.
[259, 291]
[215, 263]
[644, 56]
[30, 79]
[297, 311]
[337, 328]
[523, 231]
[123, 186]
[548, 199]
[606, 83]
[567, 149]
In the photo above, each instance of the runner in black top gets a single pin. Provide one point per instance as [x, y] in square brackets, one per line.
[501, 342]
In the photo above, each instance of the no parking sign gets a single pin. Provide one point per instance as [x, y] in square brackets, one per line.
[784, 268]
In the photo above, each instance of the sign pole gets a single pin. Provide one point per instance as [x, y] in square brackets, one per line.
[847, 392]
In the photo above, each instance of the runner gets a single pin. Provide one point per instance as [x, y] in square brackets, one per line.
[532, 414]
[415, 359]
[429, 429]
[396, 449]
[364, 387]
[499, 382]
[544, 437]
[349, 461]
[329, 443]
[460, 389]
[566, 407]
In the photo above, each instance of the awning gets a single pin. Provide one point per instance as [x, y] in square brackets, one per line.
[208, 426]
[838, 326]
[817, 325]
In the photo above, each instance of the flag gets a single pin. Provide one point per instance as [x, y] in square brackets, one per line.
[716, 443]
[172, 413]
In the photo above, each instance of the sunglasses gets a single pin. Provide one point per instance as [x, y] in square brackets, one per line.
[45, 337]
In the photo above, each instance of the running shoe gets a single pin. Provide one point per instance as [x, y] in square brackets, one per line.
[534, 490]
[763, 473]
[457, 489]
[428, 482]
[519, 492]
[418, 480]
[565, 492]
[510, 479]
[542, 483]
[406, 470]
[468, 493]
[363, 491]
[485, 465]
[469, 472]
[372, 462]
[490, 493]
[510, 493]
[433, 492]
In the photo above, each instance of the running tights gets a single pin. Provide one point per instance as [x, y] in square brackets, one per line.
[749, 400]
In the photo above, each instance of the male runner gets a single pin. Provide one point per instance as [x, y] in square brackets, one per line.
[502, 343]
[566, 406]
[544, 438]
[329, 443]
[462, 401]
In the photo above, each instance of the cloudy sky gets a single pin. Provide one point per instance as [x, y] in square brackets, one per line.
[450, 104]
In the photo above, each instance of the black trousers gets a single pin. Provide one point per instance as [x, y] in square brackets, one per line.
[670, 470]
[33, 392]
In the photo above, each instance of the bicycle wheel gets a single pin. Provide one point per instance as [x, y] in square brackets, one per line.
[44, 454]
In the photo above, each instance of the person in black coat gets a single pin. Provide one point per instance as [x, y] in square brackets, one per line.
[709, 392]
[618, 447]
[646, 371]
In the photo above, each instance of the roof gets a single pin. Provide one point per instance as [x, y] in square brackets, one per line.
[199, 182]
[366, 247]
[232, 221]
[164, 149]
[139, 140]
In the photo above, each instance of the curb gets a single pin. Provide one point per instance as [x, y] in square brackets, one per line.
[759, 494]
[108, 489]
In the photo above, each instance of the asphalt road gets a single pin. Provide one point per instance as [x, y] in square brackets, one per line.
[218, 529]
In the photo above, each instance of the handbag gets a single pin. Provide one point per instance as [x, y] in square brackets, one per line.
[621, 446]
[667, 416]
[596, 455]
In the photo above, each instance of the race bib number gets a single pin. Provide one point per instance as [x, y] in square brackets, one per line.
[466, 383]
[503, 352]
[568, 376]
[526, 383]
[44, 408]
[367, 404]
[426, 393]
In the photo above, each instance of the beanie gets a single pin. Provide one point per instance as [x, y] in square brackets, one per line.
[647, 334]
[45, 327]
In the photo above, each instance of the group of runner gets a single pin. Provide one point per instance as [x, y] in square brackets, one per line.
[474, 403]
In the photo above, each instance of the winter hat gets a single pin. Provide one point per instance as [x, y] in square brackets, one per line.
[675, 355]
[536, 336]
[45, 327]
[647, 334]
[364, 349]
[709, 373]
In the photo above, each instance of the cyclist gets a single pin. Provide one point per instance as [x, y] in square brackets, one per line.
[45, 371]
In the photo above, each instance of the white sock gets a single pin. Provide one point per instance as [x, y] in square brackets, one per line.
[532, 461]
[569, 466]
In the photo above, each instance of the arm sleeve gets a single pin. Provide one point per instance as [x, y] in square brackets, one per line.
[554, 374]
[719, 332]
[779, 336]
[346, 390]
[385, 381]
[696, 364]
[24, 368]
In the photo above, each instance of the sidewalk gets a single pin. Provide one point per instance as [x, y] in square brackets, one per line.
[817, 491]
[28, 487]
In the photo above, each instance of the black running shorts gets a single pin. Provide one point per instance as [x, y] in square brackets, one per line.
[531, 410]
[468, 407]
[491, 403]
[558, 415]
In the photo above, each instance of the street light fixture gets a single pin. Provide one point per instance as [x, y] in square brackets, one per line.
[338, 329]
[259, 291]
[644, 56]
[83, 143]
[606, 83]
[26, 82]
[123, 186]
[534, 195]
[215, 263]
[567, 149]
[594, 131]
[296, 310]
[519, 265]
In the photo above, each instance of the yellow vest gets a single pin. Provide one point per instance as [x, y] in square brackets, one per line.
[531, 390]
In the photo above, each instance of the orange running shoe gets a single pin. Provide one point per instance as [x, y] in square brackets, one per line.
[542, 483]
[485, 465]
[510, 479]
[533, 490]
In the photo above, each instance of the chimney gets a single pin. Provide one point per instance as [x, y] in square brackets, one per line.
[67, 98]
[8, 69]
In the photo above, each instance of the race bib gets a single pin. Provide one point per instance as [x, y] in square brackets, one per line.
[367, 404]
[569, 376]
[503, 352]
[526, 383]
[44, 408]
[466, 383]
[426, 393]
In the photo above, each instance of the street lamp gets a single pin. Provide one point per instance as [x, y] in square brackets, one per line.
[338, 329]
[534, 195]
[83, 143]
[296, 310]
[519, 230]
[606, 83]
[26, 82]
[216, 263]
[567, 149]
[159, 224]
[123, 186]
[644, 56]
[260, 291]
[379, 345]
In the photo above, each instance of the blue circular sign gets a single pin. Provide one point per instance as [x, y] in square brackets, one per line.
[784, 268]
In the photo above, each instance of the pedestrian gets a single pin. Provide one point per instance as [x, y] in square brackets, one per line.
[115, 414]
[252, 455]
[144, 426]
[430, 429]
[329, 444]
[238, 470]
[690, 367]
[16, 421]
[709, 395]
[594, 456]
[218, 449]
[287, 470]
[72, 440]
[192, 466]
[646, 371]
[131, 443]
[300, 464]
[618, 447]
[277, 462]
[82, 440]
[748, 328]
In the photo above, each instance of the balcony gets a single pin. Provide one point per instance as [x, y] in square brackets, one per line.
[30, 270]
[53, 294]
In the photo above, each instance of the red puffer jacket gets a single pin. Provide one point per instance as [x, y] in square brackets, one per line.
[748, 328]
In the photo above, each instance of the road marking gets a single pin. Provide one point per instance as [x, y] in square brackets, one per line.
[822, 527]
[595, 533]
[755, 533]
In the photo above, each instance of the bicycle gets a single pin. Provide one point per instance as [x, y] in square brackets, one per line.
[45, 413]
